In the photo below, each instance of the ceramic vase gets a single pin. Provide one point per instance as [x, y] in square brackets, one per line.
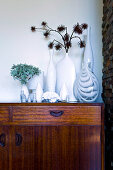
[64, 93]
[39, 93]
[65, 70]
[51, 74]
[32, 83]
[87, 88]
[88, 52]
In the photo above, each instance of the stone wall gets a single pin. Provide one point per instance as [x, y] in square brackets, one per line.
[108, 78]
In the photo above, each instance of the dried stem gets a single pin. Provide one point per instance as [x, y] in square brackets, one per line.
[65, 37]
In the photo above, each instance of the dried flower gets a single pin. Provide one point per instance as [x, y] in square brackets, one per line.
[77, 29]
[44, 23]
[46, 34]
[61, 28]
[82, 44]
[66, 42]
[33, 28]
[66, 37]
[58, 46]
[84, 26]
[50, 45]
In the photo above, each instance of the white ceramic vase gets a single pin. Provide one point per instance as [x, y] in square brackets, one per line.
[64, 93]
[39, 93]
[32, 83]
[88, 52]
[65, 70]
[87, 88]
[51, 74]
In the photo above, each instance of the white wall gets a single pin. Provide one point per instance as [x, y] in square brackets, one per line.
[19, 45]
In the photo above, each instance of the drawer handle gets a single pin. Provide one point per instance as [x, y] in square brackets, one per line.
[56, 113]
[18, 139]
[2, 139]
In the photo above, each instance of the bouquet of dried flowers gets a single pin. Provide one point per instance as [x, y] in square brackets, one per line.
[66, 42]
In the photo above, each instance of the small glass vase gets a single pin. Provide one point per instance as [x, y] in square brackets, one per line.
[24, 94]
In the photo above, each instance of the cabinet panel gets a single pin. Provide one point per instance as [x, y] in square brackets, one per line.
[57, 148]
[79, 115]
[4, 148]
[23, 148]
[4, 114]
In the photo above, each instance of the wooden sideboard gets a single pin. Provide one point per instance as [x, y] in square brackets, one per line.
[57, 136]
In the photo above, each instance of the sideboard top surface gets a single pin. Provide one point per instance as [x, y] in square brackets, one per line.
[51, 104]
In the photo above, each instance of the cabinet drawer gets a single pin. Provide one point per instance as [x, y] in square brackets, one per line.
[78, 115]
[4, 114]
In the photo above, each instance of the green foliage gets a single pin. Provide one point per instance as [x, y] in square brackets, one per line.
[24, 72]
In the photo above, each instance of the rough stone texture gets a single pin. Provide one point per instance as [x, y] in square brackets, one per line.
[108, 78]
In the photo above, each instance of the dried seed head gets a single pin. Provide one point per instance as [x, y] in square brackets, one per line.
[58, 47]
[33, 28]
[77, 29]
[82, 44]
[50, 45]
[44, 24]
[46, 34]
[84, 26]
[61, 28]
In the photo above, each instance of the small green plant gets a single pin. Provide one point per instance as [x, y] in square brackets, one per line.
[24, 72]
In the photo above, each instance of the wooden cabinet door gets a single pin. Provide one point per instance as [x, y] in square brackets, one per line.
[56, 148]
[4, 148]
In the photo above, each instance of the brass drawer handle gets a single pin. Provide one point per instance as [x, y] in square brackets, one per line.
[2, 139]
[18, 139]
[56, 113]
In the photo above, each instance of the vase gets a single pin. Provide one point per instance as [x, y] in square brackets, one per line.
[32, 83]
[64, 93]
[87, 87]
[51, 74]
[65, 70]
[39, 93]
[24, 93]
[88, 53]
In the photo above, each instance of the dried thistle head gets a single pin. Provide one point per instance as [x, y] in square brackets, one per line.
[82, 44]
[44, 24]
[46, 34]
[61, 28]
[77, 29]
[58, 46]
[33, 28]
[50, 45]
[66, 37]
[84, 26]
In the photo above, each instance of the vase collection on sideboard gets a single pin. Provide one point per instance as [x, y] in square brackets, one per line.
[61, 79]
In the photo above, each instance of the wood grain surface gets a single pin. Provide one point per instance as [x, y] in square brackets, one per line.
[37, 140]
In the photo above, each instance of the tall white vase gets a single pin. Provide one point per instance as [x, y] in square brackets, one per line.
[88, 52]
[65, 70]
[51, 75]
[64, 93]
[87, 88]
